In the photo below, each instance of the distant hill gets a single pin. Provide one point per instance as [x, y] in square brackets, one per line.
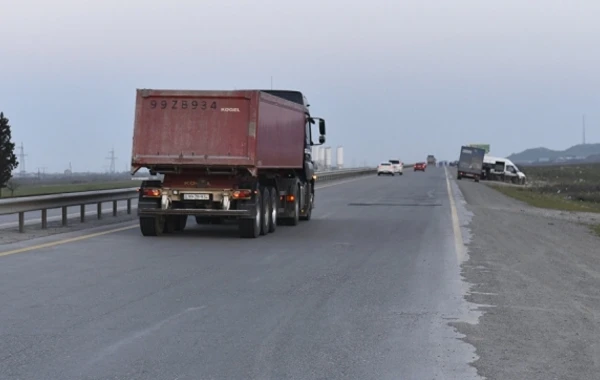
[581, 152]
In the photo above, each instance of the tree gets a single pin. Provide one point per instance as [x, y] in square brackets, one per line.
[12, 186]
[8, 160]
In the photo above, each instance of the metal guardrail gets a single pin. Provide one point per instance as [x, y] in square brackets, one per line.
[43, 203]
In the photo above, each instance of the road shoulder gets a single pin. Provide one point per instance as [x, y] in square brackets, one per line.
[540, 275]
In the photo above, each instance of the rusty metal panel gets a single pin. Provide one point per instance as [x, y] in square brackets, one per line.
[280, 133]
[194, 128]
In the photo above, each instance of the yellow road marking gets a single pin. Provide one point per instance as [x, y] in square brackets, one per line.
[458, 240]
[65, 241]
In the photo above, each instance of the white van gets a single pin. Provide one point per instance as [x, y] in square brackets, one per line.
[504, 168]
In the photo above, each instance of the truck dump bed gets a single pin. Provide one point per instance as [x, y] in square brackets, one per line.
[188, 129]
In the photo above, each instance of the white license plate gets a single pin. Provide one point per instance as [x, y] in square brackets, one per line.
[196, 197]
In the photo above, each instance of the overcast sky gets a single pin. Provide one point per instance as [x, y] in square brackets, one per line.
[392, 78]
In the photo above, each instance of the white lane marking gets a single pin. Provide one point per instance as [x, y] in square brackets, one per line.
[458, 240]
[339, 183]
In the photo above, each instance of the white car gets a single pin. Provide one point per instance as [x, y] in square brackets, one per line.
[398, 166]
[385, 168]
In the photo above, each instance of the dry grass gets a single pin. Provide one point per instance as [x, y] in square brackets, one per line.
[560, 187]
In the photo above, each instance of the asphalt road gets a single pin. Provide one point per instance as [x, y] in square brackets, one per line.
[365, 290]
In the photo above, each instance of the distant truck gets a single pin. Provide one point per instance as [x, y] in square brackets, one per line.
[431, 160]
[470, 163]
[242, 155]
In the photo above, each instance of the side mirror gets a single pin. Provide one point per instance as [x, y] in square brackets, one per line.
[321, 127]
[322, 139]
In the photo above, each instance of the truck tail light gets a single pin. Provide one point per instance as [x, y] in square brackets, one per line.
[242, 194]
[152, 193]
[290, 198]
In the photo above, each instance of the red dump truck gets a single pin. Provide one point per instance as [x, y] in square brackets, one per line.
[243, 155]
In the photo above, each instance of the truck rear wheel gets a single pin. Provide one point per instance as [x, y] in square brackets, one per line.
[265, 198]
[181, 222]
[296, 215]
[152, 226]
[250, 228]
[273, 209]
[170, 224]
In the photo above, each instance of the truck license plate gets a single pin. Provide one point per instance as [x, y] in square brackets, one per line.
[196, 197]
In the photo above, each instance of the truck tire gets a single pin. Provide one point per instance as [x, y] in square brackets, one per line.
[170, 224]
[181, 222]
[293, 221]
[309, 207]
[152, 226]
[250, 228]
[265, 198]
[273, 210]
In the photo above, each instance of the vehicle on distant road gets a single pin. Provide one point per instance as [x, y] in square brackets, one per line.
[431, 160]
[385, 168]
[398, 166]
[242, 155]
[502, 169]
[420, 166]
[470, 163]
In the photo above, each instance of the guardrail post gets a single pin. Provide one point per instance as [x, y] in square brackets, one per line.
[64, 216]
[114, 208]
[99, 208]
[82, 212]
[129, 205]
[44, 219]
[21, 222]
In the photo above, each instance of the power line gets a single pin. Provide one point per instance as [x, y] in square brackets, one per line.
[22, 156]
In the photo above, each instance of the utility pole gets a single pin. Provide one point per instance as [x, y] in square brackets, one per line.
[22, 156]
[113, 160]
[41, 170]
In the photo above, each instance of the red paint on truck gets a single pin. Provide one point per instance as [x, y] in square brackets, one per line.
[217, 128]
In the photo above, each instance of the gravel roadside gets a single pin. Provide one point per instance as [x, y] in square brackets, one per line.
[540, 275]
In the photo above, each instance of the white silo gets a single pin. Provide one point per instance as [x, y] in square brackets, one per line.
[340, 157]
[321, 157]
[328, 157]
